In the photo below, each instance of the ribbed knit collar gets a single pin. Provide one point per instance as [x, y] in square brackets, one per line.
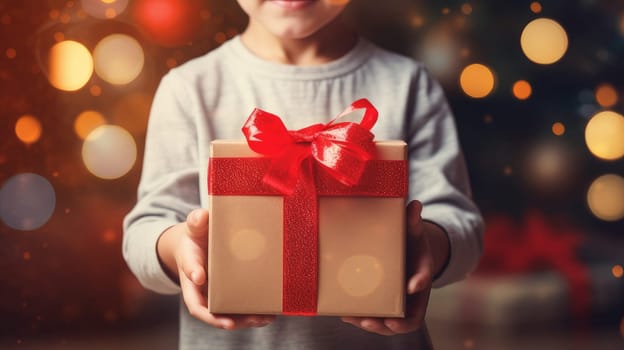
[343, 65]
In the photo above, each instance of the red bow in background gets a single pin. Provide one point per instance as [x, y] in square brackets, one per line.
[342, 148]
[538, 244]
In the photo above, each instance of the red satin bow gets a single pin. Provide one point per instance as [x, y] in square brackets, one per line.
[342, 148]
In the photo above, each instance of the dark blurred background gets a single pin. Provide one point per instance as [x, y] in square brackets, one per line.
[537, 88]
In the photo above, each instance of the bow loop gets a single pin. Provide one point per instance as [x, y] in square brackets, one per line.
[341, 148]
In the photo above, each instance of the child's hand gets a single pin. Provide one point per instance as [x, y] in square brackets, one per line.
[183, 250]
[420, 267]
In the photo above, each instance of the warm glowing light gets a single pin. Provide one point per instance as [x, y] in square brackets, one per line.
[70, 65]
[477, 80]
[104, 9]
[466, 9]
[109, 152]
[95, 90]
[28, 129]
[606, 95]
[59, 36]
[522, 90]
[536, 7]
[544, 41]
[617, 271]
[558, 128]
[170, 23]
[469, 343]
[417, 21]
[86, 122]
[11, 53]
[27, 201]
[549, 167]
[604, 135]
[118, 59]
[605, 197]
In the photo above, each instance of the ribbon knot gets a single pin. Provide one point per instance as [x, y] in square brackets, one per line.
[341, 148]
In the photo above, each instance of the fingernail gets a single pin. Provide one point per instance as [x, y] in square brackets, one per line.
[194, 276]
[412, 286]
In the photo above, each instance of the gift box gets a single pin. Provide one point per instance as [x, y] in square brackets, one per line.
[325, 246]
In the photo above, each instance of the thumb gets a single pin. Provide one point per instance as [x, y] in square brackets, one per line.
[197, 224]
[414, 220]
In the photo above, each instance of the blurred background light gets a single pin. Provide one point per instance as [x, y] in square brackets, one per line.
[109, 152]
[604, 135]
[477, 80]
[27, 201]
[70, 65]
[28, 129]
[118, 59]
[170, 23]
[104, 9]
[544, 41]
[605, 197]
[86, 122]
[549, 167]
[606, 95]
[522, 90]
[439, 51]
[535, 7]
[558, 128]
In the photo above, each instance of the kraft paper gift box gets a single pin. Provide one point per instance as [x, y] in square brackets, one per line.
[361, 243]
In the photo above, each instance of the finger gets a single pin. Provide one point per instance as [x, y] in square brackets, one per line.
[197, 224]
[196, 304]
[245, 321]
[420, 280]
[373, 325]
[192, 265]
[414, 220]
[416, 310]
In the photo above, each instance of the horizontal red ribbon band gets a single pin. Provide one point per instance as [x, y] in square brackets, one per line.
[381, 178]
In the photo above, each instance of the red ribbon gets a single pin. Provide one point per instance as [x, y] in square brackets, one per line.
[333, 159]
[539, 244]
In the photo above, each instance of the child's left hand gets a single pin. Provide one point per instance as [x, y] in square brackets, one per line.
[421, 269]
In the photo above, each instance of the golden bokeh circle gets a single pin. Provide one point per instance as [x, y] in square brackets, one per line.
[28, 129]
[605, 197]
[544, 41]
[604, 135]
[70, 65]
[477, 80]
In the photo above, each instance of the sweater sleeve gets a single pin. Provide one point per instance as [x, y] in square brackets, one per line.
[168, 189]
[439, 178]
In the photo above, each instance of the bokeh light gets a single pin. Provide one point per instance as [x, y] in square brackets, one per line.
[604, 135]
[605, 197]
[86, 122]
[109, 152]
[522, 89]
[477, 80]
[617, 271]
[549, 167]
[27, 201]
[544, 41]
[118, 58]
[606, 95]
[104, 9]
[28, 129]
[558, 128]
[439, 51]
[70, 65]
[170, 23]
[536, 7]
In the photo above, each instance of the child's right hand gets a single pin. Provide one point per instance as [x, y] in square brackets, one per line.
[182, 250]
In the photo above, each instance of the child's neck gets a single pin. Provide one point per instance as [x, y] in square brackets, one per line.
[328, 44]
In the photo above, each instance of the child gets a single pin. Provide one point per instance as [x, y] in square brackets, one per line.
[298, 60]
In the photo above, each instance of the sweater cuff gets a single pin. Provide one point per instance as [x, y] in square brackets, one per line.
[145, 263]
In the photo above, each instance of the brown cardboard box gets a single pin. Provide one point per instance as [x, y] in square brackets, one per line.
[361, 251]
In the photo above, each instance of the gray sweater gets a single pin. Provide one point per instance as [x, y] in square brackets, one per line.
[210, 98]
